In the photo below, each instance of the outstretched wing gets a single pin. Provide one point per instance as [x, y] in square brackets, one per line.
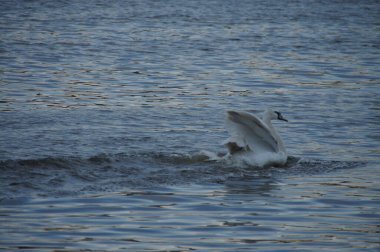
[247, 130]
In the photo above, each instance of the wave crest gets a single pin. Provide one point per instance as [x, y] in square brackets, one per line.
[60, 176]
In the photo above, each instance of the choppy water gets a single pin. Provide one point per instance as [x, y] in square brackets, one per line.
[106, 110]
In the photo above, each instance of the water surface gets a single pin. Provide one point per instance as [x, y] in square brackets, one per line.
[107, 108]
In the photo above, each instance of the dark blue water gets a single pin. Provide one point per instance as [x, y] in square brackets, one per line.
[108, 108]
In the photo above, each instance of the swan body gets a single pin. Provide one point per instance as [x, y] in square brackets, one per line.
[255, 141]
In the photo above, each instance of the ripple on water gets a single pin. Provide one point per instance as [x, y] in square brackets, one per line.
[151, 82]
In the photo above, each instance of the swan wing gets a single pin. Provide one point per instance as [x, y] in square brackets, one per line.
[247, 130]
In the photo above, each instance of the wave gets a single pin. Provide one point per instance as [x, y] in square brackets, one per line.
[64, 176]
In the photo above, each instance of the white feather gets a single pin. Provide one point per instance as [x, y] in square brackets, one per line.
[253, 140]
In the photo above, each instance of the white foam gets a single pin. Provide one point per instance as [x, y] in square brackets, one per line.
[262, 159]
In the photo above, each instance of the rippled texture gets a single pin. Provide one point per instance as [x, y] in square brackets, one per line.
[106, 109]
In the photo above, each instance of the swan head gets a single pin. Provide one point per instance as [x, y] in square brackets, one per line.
[280, 117]
[274, 115]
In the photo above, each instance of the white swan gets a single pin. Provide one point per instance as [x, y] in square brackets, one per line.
[255, 141]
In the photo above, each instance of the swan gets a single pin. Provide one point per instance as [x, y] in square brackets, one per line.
[255, 141]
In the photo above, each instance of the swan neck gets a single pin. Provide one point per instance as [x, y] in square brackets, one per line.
[268, 121]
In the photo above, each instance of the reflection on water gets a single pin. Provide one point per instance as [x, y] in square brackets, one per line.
[266, 214]
[187, 203]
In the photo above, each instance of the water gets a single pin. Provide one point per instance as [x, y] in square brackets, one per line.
[107, 108]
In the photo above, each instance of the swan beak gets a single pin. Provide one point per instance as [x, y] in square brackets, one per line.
[282, 118]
